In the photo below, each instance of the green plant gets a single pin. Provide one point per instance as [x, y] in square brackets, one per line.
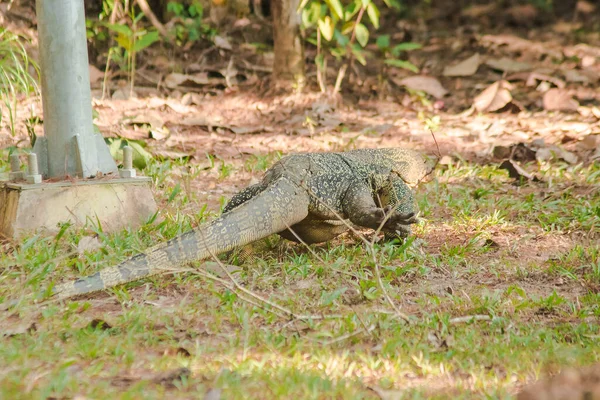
[392, 53]
[15, 77]
[343, 32]
[130, 41]
[189, 25]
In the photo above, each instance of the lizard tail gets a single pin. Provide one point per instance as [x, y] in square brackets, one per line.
[279, 206]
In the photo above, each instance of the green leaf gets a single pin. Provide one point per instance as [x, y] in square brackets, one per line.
[124, 41]
[351, 10]
[347, 28]
[145, 41]
[402, 64]
[311, 15]
[326, 26]
[320, 60]
[336, 8]
[383, 42]
[406, 46]
[373, 13]
[359, 55]
[365, 3]
[362, 34]
[340, 38]
[174, 193]
[119, 28]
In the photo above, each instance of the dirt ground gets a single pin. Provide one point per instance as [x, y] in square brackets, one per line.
[534, 85]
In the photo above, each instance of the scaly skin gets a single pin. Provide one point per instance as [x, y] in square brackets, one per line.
[307, 193]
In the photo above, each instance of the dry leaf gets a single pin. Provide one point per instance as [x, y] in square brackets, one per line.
[548, 153]
[494, 97]
[516, 172]
[176, 79]
[506, 64]
[590, 142]
[479, 10]
[95, 74]
[466, 67]
[89, 244]
[585, 7]
[559, 100]
[213, 394]
[427, 84]
[222, 42]
[531, 78]
[516, 44]
[191, 99]
[523, 14]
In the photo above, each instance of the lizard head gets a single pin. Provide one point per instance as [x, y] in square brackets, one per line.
[410, 165]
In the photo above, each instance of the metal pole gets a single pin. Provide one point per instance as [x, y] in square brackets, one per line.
[69, 146]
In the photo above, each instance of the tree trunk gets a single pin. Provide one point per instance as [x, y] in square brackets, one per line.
[288, 46]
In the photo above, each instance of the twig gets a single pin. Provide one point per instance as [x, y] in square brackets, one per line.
[371, 249]
[284, 310]
[153, 20]
[348, 336]
[469, 318]
[342, 73]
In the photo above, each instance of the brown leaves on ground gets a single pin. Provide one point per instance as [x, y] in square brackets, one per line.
[571, 384]
[494, 97]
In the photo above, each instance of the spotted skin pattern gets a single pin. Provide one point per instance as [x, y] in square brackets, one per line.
[315, 195]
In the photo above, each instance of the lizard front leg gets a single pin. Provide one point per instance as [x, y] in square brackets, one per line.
[360, 207]
[397, 197]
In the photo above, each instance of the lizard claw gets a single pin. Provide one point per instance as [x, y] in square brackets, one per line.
[393, 218]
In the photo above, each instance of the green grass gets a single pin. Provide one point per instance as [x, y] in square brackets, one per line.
[526, 256]
[15, 76]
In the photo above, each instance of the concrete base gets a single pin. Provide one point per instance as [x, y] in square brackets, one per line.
[116, 203]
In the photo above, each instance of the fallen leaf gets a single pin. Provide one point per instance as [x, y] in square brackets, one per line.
[516, 44]
[154, 120]
[479, 10]
[95, 74]
[531, 78]
[548, 153]
[171, 154]
[178, 351]
[18, 329]
[566, 27]
[523, 14]
[427, 84]
[213, 394]
[559, 100]
[466, 67]
[590, 142]
[222, 42]
[169, 378]
[191, 99]
[176, 79]
[88, 244]
[99, 324]
[585, 7]
[494, 97]
[516, 172]
[506, 64]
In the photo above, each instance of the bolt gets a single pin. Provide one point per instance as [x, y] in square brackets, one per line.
[33, 165]
[127, 157]
[33, 174]
[15, 163]
[15, 173]
[127, 171]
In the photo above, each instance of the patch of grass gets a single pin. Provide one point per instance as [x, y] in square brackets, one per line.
[525, 257]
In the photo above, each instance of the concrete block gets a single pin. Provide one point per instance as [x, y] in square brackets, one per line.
[117, 203]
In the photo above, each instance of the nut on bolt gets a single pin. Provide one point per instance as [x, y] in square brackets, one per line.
[33, 175]
[127, 171]
[15, 173]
